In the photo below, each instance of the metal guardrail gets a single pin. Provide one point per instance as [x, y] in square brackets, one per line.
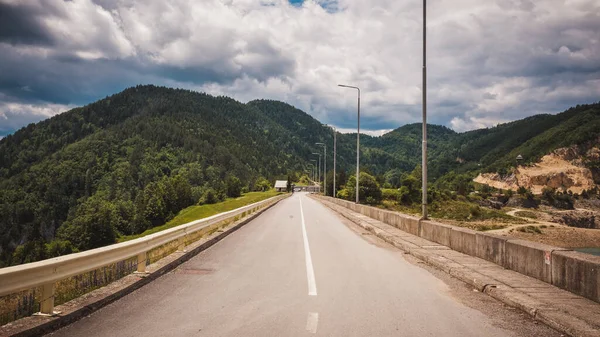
[46, 273]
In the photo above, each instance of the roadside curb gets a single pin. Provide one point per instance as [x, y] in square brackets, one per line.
[37, 328]
[538, 310]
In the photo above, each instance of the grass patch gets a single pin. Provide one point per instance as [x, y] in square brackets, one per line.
[414, 209]
[466, 211]
[202, 211]
[484, 228]
[530, 229]
[455, 210]
[526, 214]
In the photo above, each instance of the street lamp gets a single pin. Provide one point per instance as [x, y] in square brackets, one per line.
[324, 167]
[424, 155]
[311, 172]
[319, 170]
[314, 170]
[334, 155]
[357, 138]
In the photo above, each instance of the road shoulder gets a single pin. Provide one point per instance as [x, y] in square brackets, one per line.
[557, 308]
[86, 304]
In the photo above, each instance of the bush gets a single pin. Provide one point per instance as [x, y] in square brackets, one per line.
[474, 211]
[369, 189]
[557, 199]
[209, 197]
[522, 190]
[405, 196]
[390, 194]
[530, 229]
[526, 214]
[262, 184]
[59, 248]
[92, 224]
[233, 187]
[548, 194]
[343, 194]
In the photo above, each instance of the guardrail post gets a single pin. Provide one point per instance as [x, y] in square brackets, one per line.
[181, 244]
[141, 263]
[47, 301]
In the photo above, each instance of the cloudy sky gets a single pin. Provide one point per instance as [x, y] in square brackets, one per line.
[488, 61]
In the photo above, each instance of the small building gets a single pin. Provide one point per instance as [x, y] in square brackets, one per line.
[281, 185]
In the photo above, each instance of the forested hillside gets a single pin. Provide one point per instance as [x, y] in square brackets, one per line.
[133, 160]
[493, 149]
[130, 162]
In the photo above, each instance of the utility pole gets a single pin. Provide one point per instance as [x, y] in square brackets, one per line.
[319, 174]
[324, 167]
[424, 157]
[357, 138]
[334, 156]
[314, 172]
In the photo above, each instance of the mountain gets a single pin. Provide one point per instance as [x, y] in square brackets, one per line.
[133, 160]
[493, 149]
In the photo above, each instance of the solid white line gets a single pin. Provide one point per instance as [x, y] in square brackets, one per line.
[312, 322]
[310, 273]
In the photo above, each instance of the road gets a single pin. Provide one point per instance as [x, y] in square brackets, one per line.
[296, 270]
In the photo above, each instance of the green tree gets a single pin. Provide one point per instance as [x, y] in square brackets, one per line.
[369, 191]
[59, 248]
[209, 197]
[262, 184]
[234, 187]
[92, 226]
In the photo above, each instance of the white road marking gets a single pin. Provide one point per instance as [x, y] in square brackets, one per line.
[310, 273]
[312, 322]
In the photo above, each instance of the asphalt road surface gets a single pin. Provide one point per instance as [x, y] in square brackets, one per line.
[296, 270]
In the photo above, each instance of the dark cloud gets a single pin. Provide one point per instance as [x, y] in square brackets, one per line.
[488, 61]
[20, 24]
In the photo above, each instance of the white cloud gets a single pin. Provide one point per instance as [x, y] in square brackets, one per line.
[374, 133]
[16, 115]
[488, 61]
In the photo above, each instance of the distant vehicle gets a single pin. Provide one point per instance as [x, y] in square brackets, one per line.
[297, 189]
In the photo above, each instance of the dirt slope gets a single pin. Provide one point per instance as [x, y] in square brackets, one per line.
[562, 169]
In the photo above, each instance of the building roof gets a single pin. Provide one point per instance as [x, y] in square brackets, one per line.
[281, 184]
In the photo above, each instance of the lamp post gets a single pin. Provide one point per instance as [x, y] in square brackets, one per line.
[311, 172]
[319, 169]
[357, 138]
[314, 170]
[424, 157]
[334, 155]
[324, 167]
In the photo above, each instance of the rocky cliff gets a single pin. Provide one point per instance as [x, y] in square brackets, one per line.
[564, 169]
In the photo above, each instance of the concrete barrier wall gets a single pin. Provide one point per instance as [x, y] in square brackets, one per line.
[569, 270]
[491, 247]
[464, 240]
[529, 258]
[577, 272]
[436, 232]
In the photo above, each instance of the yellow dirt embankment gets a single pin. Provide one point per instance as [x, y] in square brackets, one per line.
[557, 170]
